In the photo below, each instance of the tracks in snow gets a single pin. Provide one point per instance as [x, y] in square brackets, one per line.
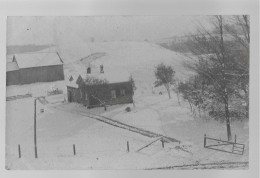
[119, 124]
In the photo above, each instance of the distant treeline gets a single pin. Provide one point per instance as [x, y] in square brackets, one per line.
[176, 46]
[14, 49]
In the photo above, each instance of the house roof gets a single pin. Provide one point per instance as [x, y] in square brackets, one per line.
[71, 81]
[11, 66]
[28, 60]
[111, 77]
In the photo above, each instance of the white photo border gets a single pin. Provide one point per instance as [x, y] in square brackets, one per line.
[139, 7]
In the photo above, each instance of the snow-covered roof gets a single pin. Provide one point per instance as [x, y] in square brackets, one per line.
[27, 60]
[111, 76]
[9, 58]
[72, 83]
[11, 66]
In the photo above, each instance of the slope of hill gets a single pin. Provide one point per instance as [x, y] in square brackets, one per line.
[14, 49]
[138, 58]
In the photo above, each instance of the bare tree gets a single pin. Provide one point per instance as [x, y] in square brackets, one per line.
[133, 88]
[164, 75]
[220, 59]
[240, 32]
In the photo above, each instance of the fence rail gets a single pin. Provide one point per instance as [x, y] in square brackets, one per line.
[54, 92]
[9, 98]
[121, 125]
[237, 148]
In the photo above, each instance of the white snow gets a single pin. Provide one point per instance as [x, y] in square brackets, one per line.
[102, 146]
[111, 76]
[37, 59]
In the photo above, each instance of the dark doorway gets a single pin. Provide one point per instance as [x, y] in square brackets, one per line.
[69, 96]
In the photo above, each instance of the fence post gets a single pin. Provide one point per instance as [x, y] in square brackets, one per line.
[35, 137]
[74, 149]
[204, 140]
[127, 144]
[162, 143]
[235, 138]
[19, 151]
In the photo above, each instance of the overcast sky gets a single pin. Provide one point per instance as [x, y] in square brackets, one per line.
[49, 30]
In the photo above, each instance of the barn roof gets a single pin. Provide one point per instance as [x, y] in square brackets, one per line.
[9, 58]
[28, 60]
[11, 66]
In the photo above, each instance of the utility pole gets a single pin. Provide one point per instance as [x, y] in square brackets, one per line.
[35, 140]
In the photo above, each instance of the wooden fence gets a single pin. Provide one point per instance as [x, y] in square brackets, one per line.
[237, 148]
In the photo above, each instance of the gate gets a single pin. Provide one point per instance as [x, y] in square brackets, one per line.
[224, 146]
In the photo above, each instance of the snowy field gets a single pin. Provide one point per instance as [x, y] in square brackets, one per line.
[102, 146]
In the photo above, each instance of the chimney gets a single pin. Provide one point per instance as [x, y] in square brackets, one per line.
[101, 69]
[14, 60]
[88, 70]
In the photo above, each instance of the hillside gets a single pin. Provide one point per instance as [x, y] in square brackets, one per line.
[15, 49]
[138, 58]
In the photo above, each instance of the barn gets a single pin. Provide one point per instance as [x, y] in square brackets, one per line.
[29, 68]
[100, 89]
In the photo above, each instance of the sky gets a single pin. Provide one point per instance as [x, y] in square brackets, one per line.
[52, 30]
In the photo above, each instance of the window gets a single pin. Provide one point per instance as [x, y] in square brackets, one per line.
[113, 93]
[122, 92]
[81, 96]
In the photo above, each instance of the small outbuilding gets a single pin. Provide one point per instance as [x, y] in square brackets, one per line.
[29, 68]
[100, 89]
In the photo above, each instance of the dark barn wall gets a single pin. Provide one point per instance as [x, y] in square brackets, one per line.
[41, 74]
[13, 77]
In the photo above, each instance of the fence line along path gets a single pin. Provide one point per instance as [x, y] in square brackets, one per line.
[10, 98]
[120, 124]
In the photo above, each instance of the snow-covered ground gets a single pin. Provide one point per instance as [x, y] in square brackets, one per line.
[102, 146]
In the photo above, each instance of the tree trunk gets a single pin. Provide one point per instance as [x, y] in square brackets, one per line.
[228, 122]
[168, 90]
[194, 112]
[222, 48]
[247, 103]
[178, 98]
[190, 106]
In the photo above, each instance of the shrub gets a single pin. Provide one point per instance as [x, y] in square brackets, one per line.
[127, 109]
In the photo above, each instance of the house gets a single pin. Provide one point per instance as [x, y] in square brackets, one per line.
[103, 88]
[29, 68]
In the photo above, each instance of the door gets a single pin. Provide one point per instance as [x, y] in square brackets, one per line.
[69, 96]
